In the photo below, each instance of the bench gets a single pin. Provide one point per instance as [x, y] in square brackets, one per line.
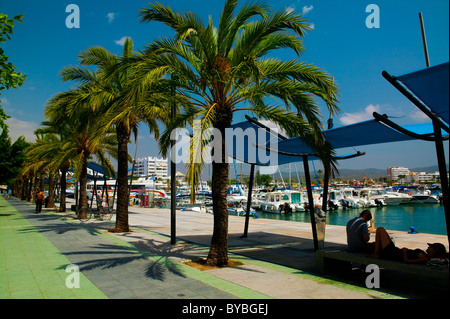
[327, 258]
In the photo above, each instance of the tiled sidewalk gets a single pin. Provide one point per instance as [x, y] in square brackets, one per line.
[36, 249]
[31, 266]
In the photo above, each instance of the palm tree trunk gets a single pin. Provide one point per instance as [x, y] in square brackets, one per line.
[83, 193]
[42, 182]
[218, 252]
[62, 181]
[30, 187]
[35, 187]
[24, 188]
[123, 136]
[51, 191]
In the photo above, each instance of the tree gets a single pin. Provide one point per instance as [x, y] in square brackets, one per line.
[70, 113]
[12, 157]
[44, 155]
[111, 98]
[9, 78]
[263, 179]
[224, 69]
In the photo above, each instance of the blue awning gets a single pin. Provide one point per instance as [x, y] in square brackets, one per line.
[260, 146]
[430, 85]
[358, 134]
[97, 168]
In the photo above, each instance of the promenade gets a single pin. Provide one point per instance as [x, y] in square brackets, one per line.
[278, 259]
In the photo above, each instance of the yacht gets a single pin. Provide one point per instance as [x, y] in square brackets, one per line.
[392, 197]
[336, 199]
[374, 197]
[283, 202]
[352, 196]
[420, 195]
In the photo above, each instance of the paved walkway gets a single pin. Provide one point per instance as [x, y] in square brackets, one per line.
[278, 259]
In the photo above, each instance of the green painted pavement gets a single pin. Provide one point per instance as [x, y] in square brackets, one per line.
[31, 267]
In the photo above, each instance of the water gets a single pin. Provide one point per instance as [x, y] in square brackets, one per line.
[427, 218]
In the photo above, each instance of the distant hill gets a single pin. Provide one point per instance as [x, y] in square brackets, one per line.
[344, 173]
[429, 169]
[358, 174]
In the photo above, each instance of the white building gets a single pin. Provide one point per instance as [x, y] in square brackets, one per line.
[151, 166]
[416, 177]
[393, 172]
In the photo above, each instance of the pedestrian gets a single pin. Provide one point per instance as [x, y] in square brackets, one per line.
[39, 200]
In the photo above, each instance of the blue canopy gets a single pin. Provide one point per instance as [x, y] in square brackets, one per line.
[428, 89]
[430, 85]
[96, 168]
[257, 144]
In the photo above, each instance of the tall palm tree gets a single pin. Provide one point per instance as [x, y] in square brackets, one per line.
[51, 149]
[42, 156]
[71, 114]
[121, 109]
[230, 68]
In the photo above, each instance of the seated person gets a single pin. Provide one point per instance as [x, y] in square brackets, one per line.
[358, 233]
[386, 249]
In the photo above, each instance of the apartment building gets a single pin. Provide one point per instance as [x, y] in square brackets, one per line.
[393, 172]
[151, 166]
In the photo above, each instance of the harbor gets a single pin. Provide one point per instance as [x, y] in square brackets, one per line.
[407, 208]
[424, 218]
[117, 158]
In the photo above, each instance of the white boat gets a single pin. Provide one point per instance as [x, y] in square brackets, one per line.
[283, 202]
[237, 206]
[298, 200]
[421, 195]
[392, 198]
[373, 196]
[425, 199]
[352, 195]
[336, 199]
[272, 202]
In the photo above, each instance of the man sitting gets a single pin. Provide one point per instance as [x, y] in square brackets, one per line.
[358, 235]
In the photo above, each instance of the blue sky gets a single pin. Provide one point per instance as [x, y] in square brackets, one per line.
[340, 43]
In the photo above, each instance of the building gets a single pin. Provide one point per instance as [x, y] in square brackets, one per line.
[404, 175]
[151, 166]
[393, 172]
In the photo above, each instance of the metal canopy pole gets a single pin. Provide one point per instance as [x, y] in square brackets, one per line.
[325, 186]
[173, 168]
[311, 202]
[249, 201]
[438, 143]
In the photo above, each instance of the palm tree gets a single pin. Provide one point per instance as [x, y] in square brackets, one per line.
[50, 149]
[42, 156]
[224, 69]
[121, 108]
[70, 114]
